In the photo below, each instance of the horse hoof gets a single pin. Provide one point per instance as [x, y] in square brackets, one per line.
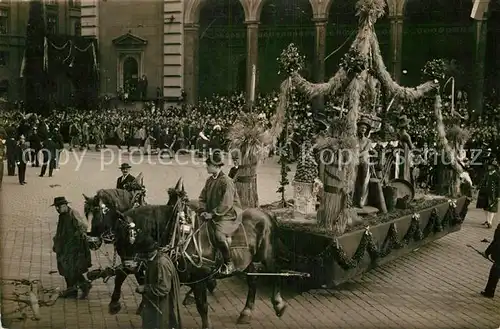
[114, 308]
[211, 285]
[189, 300]
[280, 309]
[244, 319]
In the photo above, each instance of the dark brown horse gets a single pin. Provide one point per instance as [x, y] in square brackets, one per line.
[189, 243]
[102, 211]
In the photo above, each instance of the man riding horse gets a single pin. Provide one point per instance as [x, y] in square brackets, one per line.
[219, 203]
[130, 183]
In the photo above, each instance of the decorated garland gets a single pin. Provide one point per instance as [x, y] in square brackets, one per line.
[392, 242]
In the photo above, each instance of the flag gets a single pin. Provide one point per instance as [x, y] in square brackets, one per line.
[23, 65]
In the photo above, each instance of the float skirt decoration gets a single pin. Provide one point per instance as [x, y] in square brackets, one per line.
[332, 260]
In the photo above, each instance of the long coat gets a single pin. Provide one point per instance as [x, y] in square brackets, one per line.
[493, 249]
[220, 198]
[70, 245]
[489, 192]
[158, 285]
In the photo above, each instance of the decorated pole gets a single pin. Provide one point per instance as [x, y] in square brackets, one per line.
[252, 87]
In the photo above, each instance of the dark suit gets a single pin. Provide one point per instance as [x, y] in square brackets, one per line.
[49, 157]
[233, 172]
[22, 158]
[36, 146]
[11, 145]
[493, 251]
[121, 183]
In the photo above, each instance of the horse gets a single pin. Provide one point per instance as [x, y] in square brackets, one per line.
[190, 245]
[102, 212]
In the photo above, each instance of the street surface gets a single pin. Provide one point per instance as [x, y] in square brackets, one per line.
[435, 287]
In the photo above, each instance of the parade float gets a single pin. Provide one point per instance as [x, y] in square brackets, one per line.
[350, 216]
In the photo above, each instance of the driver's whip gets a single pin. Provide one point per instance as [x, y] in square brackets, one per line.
[479, 252]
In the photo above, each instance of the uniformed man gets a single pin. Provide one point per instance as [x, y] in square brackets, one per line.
[11, 145]
[71, 248]
[22, 159]
[219, 202]
[126, 178]
[493, 253]
[49, 153]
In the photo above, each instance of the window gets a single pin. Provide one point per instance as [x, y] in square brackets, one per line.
[4, 58]
[73, 3]
[51, 2]
[78, 29]
[4, 21]
[52, 24]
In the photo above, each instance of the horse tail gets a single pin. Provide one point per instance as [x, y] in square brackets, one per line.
[274, 248]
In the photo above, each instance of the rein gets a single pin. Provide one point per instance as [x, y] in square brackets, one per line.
[182, 234]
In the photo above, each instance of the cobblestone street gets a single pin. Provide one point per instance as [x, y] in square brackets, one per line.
[435, 287]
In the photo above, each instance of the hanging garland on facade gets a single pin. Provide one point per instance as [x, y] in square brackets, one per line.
[71, 46]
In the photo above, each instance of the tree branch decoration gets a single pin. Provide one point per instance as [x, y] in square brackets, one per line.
[290, 62]
[361, 64]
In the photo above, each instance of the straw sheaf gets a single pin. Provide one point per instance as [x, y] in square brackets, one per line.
[369, 11]
[248, 135]
[279, 117]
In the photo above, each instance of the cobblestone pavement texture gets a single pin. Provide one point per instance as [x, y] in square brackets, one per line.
[434, 287]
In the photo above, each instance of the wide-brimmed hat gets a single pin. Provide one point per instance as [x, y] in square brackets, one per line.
[365, 121]
[403, 121]
[125, 166]
[58, 201]
[215, 159]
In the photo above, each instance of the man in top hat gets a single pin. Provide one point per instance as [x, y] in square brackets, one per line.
[219, 202]
[72, 250]
[126, 178]
[363, 172]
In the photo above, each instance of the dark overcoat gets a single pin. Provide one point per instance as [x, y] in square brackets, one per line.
[121, 183]
[71, 246]
[489, 192]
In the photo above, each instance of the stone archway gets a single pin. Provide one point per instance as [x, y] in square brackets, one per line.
[130, 73]
[222, 47]
[281, 23]
[436, 29]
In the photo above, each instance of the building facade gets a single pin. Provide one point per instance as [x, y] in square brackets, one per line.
[61, 17]
[203, 47]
